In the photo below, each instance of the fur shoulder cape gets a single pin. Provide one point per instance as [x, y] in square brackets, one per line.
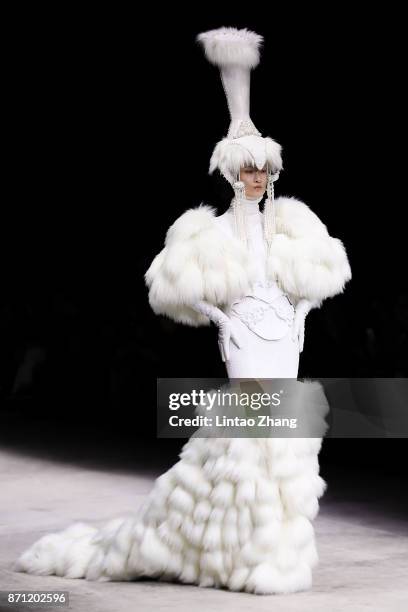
[201, 262]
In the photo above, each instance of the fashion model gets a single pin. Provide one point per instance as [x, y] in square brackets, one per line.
[232, 512]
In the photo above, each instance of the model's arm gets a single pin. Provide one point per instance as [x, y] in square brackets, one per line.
[302, 309]
[224, 324]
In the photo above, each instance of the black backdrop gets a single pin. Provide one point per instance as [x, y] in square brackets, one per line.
[113, 118]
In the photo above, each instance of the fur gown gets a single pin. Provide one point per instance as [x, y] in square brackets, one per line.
[232, 512]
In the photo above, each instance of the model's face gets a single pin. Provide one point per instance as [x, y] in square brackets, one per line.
[254, 181]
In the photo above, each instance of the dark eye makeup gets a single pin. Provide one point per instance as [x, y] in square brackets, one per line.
[250, 169]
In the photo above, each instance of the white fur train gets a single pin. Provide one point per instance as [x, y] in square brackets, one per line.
[232, 513]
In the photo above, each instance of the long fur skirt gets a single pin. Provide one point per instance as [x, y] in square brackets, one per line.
[232, 512]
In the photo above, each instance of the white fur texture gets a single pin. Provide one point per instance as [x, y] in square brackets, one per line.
[197, 264]
[226, 46]
[304, 258]
[229, 156]
[201, 262]
[228, 514]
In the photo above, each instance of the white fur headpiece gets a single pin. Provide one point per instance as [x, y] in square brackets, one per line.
[236, 53]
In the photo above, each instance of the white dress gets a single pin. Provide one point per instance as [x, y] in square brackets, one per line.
[264, 317]
[232, 512]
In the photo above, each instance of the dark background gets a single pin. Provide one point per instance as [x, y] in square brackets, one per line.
[113, 118]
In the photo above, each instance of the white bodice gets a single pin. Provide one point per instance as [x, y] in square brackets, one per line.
[255, 236]
[254, 232]
[256, 244]
[266, 310]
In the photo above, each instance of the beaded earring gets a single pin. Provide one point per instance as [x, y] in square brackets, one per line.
[239, 213]
[270, 209]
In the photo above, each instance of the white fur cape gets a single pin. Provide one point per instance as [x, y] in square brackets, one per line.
[201, 262]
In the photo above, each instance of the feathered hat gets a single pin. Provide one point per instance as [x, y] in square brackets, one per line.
[236, 53]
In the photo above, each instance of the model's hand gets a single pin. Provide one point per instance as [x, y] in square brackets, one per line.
[298, 327]
[226, 332]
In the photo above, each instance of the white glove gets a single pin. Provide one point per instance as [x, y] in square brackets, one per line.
[224, 324]
[303, 307]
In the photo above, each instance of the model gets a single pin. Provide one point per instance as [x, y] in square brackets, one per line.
[232, 512]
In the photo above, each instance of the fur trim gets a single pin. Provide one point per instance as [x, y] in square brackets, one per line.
[226, 46]
[306, 260]
[197, 263]
[200, 262]
[273, 154]
[229, 156]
